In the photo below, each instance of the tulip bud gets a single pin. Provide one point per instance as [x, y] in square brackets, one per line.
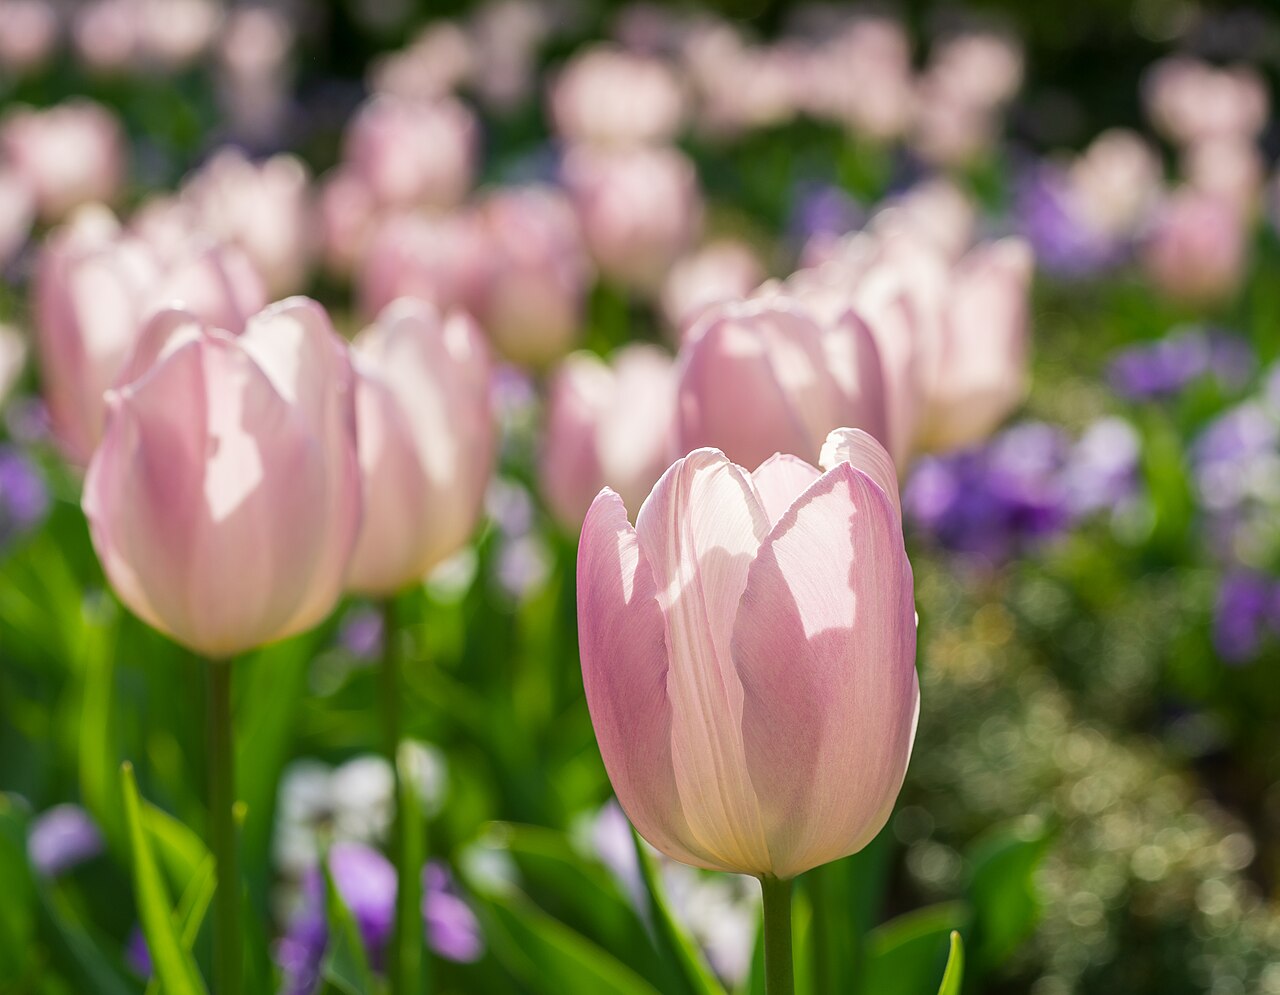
[722, 271]
[438, 258]
[68, 155]
[763, 377]
[608, 96]
[17, 212]
[224, 500]
[30, 35]
[640, 209]
[607, 424]
[95, 287]
[536, 276]
[413, 153]
[1197, 248]
[426, 439]
[748, 655]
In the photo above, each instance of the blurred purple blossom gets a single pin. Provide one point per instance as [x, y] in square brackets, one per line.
[361, 633]
[1164, 367]
[1234, 453]
[24, 498]
[824, 210]
[1064, 242]
[62, 838]
[1248, 607]
[366, 881]
[137, 956]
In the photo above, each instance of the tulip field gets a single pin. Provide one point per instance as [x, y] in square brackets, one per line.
[592, 498]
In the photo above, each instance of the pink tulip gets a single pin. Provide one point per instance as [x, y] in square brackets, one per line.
[722, 271]
[426, 440]
[608, 96]
[607, 424]
[1117, 180]
[748, 655]
[28, 34]
[13, 356]
[763, 377]
[96, 286]
[224, 500]
[254, 72]
[1197, 249]
[438, 258]
[17, 213]
[68, 155]
[1191, 101]
[438, 61]
[413, 153]
[264, 208]
[1226, 169]
[348, 218]
[536, 275]
[640, 209]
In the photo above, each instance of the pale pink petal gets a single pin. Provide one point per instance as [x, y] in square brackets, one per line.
[851, 445]
[824, 645]
[781, 479]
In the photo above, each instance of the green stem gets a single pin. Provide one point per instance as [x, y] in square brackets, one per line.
[779, 974]
[228, 956]
[405, 964]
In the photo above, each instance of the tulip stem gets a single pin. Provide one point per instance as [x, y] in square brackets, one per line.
[779, 974]
[406, 962]
[228, 959]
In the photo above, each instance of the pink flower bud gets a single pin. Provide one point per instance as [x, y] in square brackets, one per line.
[413, 153]
[28, 34]
[438, 258]
[68, 155]
[224, 500]
[17, 212]
[1191, 101]
[640, 209]
[426, 441]
[1197, 248]
[763, 377]
[607, 424]
[608, 96]
[722, 271]
[748, 654]
[537, 274]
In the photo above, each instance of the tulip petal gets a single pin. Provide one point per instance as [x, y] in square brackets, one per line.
[851, 445]
[699, 531]
[781, 479]
[824, 645]
[622, 641]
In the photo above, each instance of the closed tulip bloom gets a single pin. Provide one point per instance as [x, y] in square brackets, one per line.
[224, 500]
[760, 377]
[640, 209]
[413, 153]
[723, 271]
[68, 155]
[28, 34]
[609, 96]
[426, 439]
[95, 287]
[537, 274]
[1197, 247]
[1191, 101]
[608, 424]
[748, 654]
[441, 258]
[17, 212]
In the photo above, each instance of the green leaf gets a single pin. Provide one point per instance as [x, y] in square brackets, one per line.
[1002, 890]
[78, 958]
[846, 896]
[179, 850]
[174, 966]
[550, 958]
[346, 967]
[192, 908]
[410, 854]
[17, 919]
[674, 945]
[954, 976]
[906, 955]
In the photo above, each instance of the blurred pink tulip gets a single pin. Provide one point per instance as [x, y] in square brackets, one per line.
[28, 34]
[413, 153]
[106, 34]
[438, 258]
[68, 155]
[254, 73]
[438, 60]
[1191, 101]
[1227, 169]
[13, 357]
[748, 654]
[96, 286]
[607, 424]
[608, 96]
[537, 274]
[264, 208]
[1116, 181]
[722, 271]
[1197, 248]
[224, 501]
[763, 377]
[348, 218]
[936, 210]
[17, 213]
[640, 209]
[426, 442]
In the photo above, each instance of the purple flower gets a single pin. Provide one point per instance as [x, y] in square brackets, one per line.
[62, 838]
[1102, 471]
[1164, 367]
[824, 210]
[1248, 605]
[1064, 242]
[137, 956]
[366, 881]
[361, 633]
[24, 499]
[1231, 454]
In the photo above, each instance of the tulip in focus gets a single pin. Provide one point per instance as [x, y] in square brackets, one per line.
[722, 271]
[760, 377]
[608, 96]
[1197, 250]
[95, 287]
[224, 500]
[608, 424]
[748, 654]
[426, 441]
[640, 209]
[68, 155]
[536, 274]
